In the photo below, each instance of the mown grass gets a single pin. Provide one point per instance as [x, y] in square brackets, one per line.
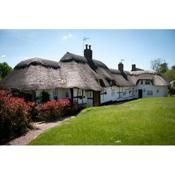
[148, 121]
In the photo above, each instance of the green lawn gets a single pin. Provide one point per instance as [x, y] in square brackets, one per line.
[148, 121]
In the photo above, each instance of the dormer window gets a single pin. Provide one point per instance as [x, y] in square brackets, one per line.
[147, 82]
[102, 84]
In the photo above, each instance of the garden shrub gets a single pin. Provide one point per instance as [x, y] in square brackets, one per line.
[172, 91]
[55, 109]
[34, 111]
[14, 116]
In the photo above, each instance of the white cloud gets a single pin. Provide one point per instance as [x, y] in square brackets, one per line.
[2, 56]
[68, 36]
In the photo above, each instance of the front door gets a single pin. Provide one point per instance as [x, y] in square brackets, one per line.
[140, 93]
[96, 98]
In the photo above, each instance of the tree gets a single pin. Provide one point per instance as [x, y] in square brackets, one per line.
[173, 84]
[5, 69]
[159, 66]
[169, 75]
[173, 67]
[163, 68]
[155, 64]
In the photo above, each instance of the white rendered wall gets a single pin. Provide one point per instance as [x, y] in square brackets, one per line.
[86, 97]
[127, 93]
[108, 94]
[160, 91]
[59, 92]
[115, 93]
[157, 91]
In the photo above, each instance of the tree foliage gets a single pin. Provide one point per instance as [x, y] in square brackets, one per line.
[173, 67]
[155, 64]
[5, 69]
[163, 68]
[169, 75]
[159, 65]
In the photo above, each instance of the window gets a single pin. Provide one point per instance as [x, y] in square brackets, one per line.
[132, 91]
[147, 82]
[110, 82]
[80, 92]
[67, 94]
[149, 92]
[141, 82]
[112, 92]
[157, 90]
[102, 84]
[55, 94]
[89, 94]
[103, 92]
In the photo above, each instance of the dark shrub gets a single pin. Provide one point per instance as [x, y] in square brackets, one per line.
[33, 111]
[14, 116]
[171, 91]
[55, 109]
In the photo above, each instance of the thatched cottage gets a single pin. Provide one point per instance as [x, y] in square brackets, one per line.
[83, 79]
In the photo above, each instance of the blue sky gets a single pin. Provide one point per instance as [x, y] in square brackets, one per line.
[109, 46]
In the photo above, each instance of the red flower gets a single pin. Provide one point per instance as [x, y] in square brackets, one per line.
[55, 109]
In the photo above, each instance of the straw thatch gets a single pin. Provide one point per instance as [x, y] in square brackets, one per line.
[122, 79]
[73, 71]
[148, 75]
[37, 61]
[104, 74]
[79, 73]
[69, 57]
[34, 74]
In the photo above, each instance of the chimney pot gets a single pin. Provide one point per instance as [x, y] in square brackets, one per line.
[88, 52]
[120, 67]
[133, 67]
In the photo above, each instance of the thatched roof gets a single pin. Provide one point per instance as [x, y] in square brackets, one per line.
[72, 71]
[122, 79]
[37, 61]
[143, 72]
[69, 57]
[34, 74]
[148, 75]
[80, 74]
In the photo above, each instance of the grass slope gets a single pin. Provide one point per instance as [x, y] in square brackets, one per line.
[148, 121]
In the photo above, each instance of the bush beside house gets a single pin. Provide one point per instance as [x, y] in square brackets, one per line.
[55, 109]
[16, 114]
[172, 88]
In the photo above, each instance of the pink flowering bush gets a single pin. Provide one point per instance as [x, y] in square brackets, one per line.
[14, 116]
[55, 109]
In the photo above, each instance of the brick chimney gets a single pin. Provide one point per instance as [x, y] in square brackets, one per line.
[88, 55]
[88, 52]
[120, 67]
[133, 67]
